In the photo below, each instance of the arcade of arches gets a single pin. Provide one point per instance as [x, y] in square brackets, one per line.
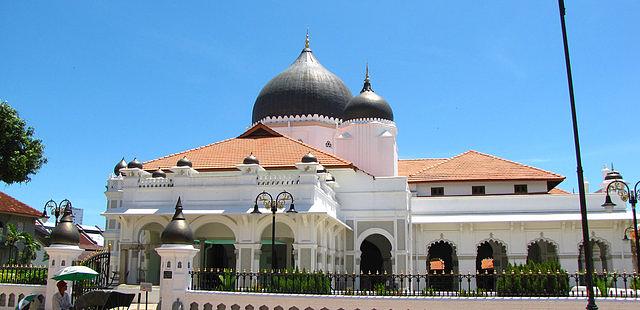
[218, 247]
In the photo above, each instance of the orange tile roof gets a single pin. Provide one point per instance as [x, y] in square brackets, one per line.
[476, 166]
[558, 191]
[272, 149]
[407, 167]
[11, 205]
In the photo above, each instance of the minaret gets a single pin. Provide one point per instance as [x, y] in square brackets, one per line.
[367, 137]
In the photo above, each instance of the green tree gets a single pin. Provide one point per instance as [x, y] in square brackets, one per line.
[21, 155]
[11, 239]
[31, 246]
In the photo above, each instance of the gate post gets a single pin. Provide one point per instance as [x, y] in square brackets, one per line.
[176, 260]
[62, 252]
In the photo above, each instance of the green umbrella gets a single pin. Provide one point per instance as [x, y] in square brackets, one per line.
[75, 273]
[24, 302]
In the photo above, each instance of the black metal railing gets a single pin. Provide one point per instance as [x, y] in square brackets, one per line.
[23, 274]
[99, 262]
[526, 284]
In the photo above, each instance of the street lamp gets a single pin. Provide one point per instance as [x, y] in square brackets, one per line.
[588, 277]
[55, 208]
[274, 204]
[625, 193]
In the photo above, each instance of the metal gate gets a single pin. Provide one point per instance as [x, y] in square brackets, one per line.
[100, 262]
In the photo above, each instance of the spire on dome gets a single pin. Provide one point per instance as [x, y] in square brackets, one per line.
[306, 40]
[367, 81]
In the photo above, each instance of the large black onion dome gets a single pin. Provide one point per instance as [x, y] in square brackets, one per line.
[304, 88]
[251, 160]
[177, 231]
[184, 162]
[66, 231]
[368, 104]
[309, 158]
[159, 174]
[134, 164]
[613, 175]
[121, 165]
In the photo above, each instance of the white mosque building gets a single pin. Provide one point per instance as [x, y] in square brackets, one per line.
[359, 207]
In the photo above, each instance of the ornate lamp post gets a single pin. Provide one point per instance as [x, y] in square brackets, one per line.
[625, 193]
[274, 204]
[55, 208]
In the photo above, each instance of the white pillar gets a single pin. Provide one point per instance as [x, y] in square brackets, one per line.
[60, 256]
[175, 273]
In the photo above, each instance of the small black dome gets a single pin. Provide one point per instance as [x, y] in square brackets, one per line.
[134, 164]
[368, 104]
[304, 88]
[121, 165]
[177, 231]
[184, 162]
[159, 174]
[613, 175]
[250, 160]
[66, 231]
[309, 158]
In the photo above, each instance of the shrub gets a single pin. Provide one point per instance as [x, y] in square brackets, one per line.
[533, 279]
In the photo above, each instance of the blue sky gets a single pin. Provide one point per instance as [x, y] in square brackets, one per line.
[100, 80]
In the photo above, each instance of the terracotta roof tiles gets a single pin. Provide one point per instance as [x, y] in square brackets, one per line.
[476, 166]
[11, 205]
[272, 149]
[407, 167]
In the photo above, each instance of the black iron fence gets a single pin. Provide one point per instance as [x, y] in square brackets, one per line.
[99, 262]
[23, 274]
[559, 284]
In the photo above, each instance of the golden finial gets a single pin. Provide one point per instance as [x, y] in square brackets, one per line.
[306, 41]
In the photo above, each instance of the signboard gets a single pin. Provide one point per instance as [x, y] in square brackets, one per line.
[146, 287]
[436, 265]
[167, 275]
[487, 263]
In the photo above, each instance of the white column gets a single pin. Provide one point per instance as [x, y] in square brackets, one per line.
[256, 259]
[60, 256]
[175, 273]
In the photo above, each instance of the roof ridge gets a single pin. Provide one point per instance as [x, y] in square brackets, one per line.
[424, 158]
[515, 162]
[440, 163]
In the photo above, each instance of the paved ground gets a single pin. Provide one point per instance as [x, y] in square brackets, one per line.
[454, 304]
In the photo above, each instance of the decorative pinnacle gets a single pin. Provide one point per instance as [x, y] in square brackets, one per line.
[306, 40]
[366, 74]
[367, 81]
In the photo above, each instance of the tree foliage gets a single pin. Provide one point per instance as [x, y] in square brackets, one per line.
[21, 155]
[30, 246]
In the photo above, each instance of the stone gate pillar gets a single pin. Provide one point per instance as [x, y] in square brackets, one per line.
[62, 252]
[176, 259]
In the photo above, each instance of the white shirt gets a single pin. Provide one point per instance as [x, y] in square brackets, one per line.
[61, 302]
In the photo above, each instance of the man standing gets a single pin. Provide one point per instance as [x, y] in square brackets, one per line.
[61, 299]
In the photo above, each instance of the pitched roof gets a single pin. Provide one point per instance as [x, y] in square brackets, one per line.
[11, 205]
[407, 167]
[476, 166]
[272, 149]
[558, 191]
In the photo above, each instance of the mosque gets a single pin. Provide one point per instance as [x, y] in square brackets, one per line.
[326, 162]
